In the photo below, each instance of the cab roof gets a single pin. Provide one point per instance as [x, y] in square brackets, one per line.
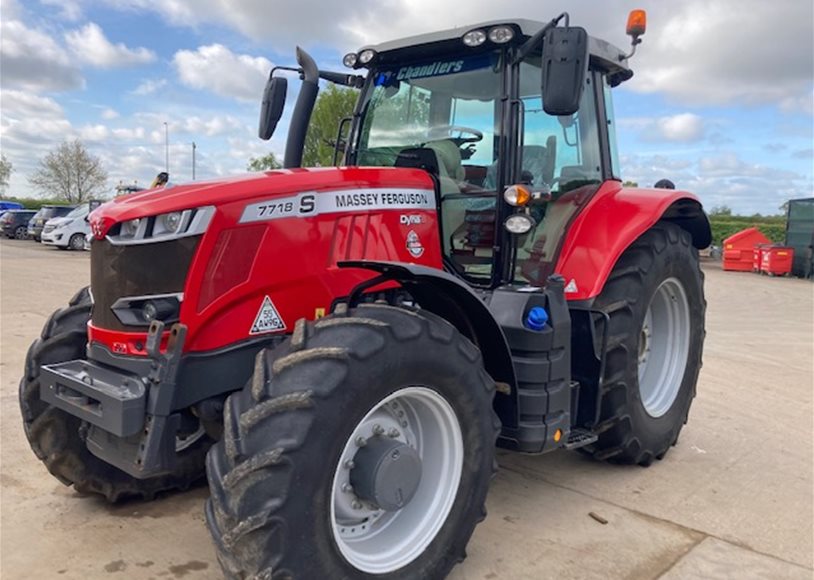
[602, 53]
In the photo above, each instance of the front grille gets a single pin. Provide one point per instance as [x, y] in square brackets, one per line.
[136, 270]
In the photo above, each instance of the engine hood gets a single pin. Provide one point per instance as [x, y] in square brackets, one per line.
[269, 184]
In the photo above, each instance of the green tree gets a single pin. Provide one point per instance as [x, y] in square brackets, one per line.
[5, 172]
[70, 173]
[333, 104]
[721, 210]
[264, 163]
[630, 184]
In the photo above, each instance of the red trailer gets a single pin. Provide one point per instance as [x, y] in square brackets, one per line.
[739, 249]
[776, 260]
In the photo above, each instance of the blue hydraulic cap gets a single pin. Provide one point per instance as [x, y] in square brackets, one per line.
[537, 318]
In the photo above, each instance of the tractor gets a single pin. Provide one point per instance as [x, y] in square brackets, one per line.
[341, 349]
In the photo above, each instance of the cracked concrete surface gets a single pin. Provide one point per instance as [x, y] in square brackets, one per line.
[732, 500]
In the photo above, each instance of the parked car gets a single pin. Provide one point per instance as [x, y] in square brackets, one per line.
[68, 232]
[46, 212]
[14, 223]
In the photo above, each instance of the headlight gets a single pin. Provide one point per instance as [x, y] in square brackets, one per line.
[474, 38]
[519, 223]
[130, 228]
[142, 310]
[171, 221]
[162, 227]
[349, 60]
[501, 34]
[366, 56]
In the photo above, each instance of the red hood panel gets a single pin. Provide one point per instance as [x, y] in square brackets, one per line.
[271, 183]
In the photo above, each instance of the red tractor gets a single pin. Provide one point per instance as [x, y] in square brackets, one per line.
[340, 349]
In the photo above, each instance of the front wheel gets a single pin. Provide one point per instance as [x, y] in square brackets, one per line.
[655, 301]
[361, 448]
[21, 233]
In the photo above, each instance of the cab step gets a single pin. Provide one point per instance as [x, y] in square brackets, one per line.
[580, 438]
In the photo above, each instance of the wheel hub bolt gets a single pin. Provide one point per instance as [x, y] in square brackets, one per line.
[393, 433]
[347, 488]
[361, 441]
[355, 504]
[378, 429]
[349, 464]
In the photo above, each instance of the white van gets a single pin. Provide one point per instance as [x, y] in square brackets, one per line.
[68, 232]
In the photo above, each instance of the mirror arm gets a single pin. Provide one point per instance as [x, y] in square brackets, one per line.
[534, 41]
[348, 80]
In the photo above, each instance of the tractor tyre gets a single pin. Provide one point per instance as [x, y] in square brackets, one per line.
[655, 299]
[57, 438]
[362, 447]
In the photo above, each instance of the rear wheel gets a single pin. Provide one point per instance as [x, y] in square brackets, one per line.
[77, 242]
[20, 233]
[57, 438]
[362, 447]
[655, 300]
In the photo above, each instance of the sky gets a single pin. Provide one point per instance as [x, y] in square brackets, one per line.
[722, 101]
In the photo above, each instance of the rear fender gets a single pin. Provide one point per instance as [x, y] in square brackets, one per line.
[448, 297]
[613, 219]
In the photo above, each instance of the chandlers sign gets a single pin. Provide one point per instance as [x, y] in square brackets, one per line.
[312, 203]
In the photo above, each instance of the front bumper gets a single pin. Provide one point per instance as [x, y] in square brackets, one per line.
[128, 407]
[53, 238]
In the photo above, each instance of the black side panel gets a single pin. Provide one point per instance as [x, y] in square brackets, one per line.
[540, 405]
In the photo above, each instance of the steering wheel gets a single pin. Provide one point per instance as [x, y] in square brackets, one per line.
[446, 131]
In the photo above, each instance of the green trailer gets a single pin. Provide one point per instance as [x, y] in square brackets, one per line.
[800, 235]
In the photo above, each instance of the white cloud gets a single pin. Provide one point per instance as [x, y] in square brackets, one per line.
[109, 114]
[217, 69]
[721, 179]
[695, 52]
[680, 128]
[68, 9]
[32, 60]
[90, 45]
[149, 86]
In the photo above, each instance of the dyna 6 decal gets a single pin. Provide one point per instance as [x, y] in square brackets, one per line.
[309, 204]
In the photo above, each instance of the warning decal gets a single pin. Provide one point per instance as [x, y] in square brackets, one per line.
[571, 287]
[267, 319]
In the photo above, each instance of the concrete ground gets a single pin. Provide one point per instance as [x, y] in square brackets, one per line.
[732, 500]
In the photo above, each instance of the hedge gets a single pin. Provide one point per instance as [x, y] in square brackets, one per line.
[773, 227]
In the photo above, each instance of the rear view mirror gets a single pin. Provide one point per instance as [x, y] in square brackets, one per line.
[565, 61]
[273, 104]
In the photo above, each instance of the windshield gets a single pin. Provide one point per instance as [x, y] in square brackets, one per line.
[78, 212]
[442, 115]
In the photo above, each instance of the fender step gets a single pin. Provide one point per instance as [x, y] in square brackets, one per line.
[580, 438]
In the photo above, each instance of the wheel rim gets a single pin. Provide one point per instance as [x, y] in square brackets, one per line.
[20, 233]
[378, 541]
[77, 242]
[664, 344]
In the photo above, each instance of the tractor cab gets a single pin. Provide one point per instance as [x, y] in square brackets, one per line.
[467, 105]
[514, 121]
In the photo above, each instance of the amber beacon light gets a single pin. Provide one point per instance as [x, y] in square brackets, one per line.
[636, 23]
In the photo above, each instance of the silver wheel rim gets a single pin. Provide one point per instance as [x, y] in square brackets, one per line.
[77, 242]
[376, 541]
[664, 345]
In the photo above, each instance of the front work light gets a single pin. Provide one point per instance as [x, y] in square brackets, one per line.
[474, 38]
[366, 56]
[349, 60]
[517, 195]
[519, 223]
[501, 34]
